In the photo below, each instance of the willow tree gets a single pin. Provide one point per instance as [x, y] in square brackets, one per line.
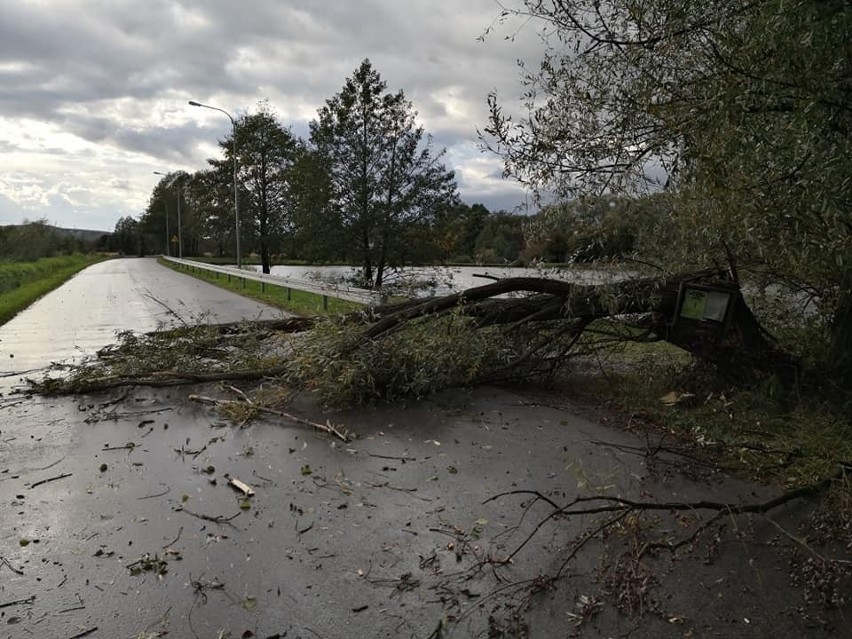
[741, 109]
[386, 181]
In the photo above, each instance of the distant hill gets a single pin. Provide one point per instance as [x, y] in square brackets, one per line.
[83, 235]
[89, 236]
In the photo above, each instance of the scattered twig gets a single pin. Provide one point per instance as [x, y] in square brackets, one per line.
[168, 308]
[403, 459]
[409, 491]
[240, 393]
[5, 562]
[622, 507]
[172, 543]
[117, 400]
[18, 602]
[63, 611]
[50, 479]
[53, 464]
[620, 503]
[165, 492]
[216, 519]
[327, 427]
[589, 535]
[127, 446]
[85, 633]
[438, 632]
[200, 586]
[192, 453]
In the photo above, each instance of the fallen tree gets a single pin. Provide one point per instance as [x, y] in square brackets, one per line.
[513, 328]
[736, 342]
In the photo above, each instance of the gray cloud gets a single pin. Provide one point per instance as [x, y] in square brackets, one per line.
[102, 85]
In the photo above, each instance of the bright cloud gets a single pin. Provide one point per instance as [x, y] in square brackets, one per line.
[93, 93]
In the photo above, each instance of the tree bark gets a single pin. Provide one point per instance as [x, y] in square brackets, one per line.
[740, 346]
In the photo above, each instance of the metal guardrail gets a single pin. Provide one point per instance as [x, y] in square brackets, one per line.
[351, 294]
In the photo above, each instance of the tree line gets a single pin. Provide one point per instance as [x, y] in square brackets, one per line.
[35, 239]
[367, 188]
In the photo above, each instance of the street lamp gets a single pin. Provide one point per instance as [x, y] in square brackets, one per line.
[174, 181]
[234, 137]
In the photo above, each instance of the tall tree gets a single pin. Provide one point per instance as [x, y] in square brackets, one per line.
[319, 231]
[126, 238]
[385, 180]
[457, 229]
[742, 109]
[267, 152]
[214, 200]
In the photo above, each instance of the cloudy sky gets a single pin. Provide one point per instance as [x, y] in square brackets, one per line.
[93, 93]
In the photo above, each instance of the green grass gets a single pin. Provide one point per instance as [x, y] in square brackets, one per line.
[22, 283]
[299, 302]
[789, 436]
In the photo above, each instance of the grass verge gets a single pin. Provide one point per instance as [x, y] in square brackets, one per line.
[765, 432]
[24, 282]
[297, 302]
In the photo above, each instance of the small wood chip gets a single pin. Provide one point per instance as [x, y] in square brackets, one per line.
[244, 488]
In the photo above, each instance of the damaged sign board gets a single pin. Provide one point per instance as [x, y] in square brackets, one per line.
[704, 310]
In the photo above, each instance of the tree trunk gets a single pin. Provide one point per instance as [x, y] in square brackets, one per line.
[265, 260]
[841, 334]
[367, 262]
[739, 345]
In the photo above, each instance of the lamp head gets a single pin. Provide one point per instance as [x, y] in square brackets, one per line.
[194, 103]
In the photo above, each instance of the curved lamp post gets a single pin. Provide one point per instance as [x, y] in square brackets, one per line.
[234, 137]
[166, 206]
[174, 181]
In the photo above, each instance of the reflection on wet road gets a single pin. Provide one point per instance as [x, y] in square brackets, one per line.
[123, 294]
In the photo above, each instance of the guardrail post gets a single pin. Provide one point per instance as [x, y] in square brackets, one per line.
[289, 294]
[325, 302]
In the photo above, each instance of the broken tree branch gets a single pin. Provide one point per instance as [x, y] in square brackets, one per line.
[50, 479]
[18, 602]
[743, 345]
[6, 563]
[621, 505]
[216, 519]
[162, 379]
[326, 428]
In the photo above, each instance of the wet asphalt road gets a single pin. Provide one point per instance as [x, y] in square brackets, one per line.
[118, 521]
[136, 294]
